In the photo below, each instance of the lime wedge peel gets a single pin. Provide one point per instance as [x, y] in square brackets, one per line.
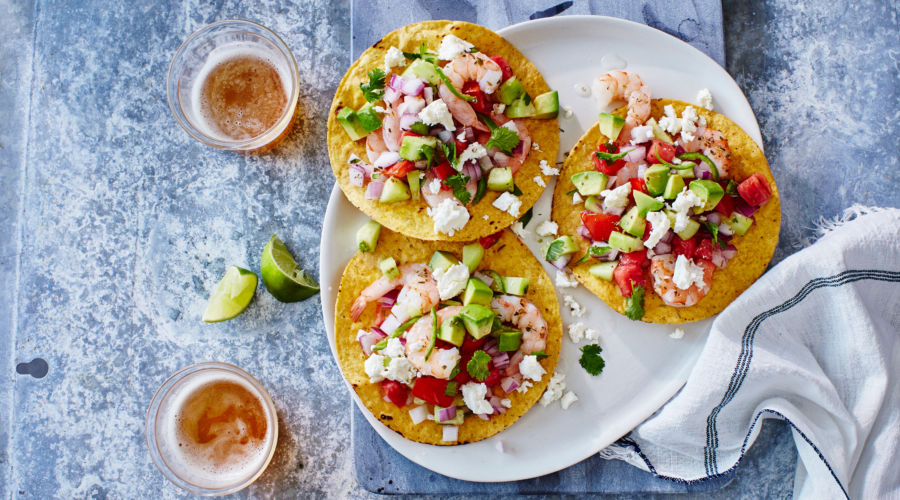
[232, 295]
[284, 279]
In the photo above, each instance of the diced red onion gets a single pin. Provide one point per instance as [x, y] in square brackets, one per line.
[418, 414]
[744, 209]
[445, 414]
[428, 94]
[367, 341]
[501, 360]
[642, 168]
[421, 164]
[497, 405]
[509, 384]
[413, 86]
[636, 154]
[411, 105]
[584, 233]
[386, 159]
[490, 347]
[391, 95]
[725, 229]
[396, 82]
[729, 252]
[501, 159]
[450, 433]
[706, 175]
[561, 262]
[668, 237]
[700, 170]
[386, 399]
[373, 191]
[662, 248]
[357, 175]
[379, 332]
[612, 181]
[446, 136]
[407, 120]
[472, 170]
[610, 255]
[388, 299]
[483, 277]
[470, 133]
[714, 217]
[483, 417]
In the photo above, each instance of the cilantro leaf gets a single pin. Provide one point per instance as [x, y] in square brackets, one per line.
[554, 251]
[458, 184]
[634, 305]
[591, 360]
[478, 366]
[714, 231]
[731, 188]
[450, 153]
[481, 190]
[450, 391]
[374, 89]
[503, 139]
[525, 219]
[422, 54]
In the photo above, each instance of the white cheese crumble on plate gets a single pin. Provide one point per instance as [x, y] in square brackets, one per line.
[547, 228]
[578, 332]
[547, 170]
[575, 308]
[568, 399]
[678, 333]
[555, 388]
[704, 99]
[565, 280]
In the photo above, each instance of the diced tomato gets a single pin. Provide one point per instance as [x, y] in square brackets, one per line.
[755, 190]
[493, 377]
[638, 184]
[489, 240]
[504, 67]
[684, 247]
[432, 390]
[396, 392]
[470, 345]
[726, 205]
[460, 147]
[704, 250]
[443, 170]
[409, 133]
[638, 258]
[400, 169]
[463, 376]
[599, 225]
[604, 166]
[666, 152]
[442, 344]
[480, 105]
[630, 271]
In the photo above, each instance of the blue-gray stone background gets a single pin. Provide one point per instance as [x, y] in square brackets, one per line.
[116, 224]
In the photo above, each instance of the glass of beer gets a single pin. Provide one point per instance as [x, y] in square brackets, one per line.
[212, 429]
[234, 85]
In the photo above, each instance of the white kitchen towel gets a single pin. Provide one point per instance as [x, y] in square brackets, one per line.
[814, 342]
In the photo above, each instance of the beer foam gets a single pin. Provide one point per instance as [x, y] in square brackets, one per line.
[194, 462]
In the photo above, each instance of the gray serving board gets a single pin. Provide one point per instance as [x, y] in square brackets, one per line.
[379, 468]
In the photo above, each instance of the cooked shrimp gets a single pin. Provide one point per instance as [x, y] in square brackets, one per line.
[714, 145]
[419, 293]
[524, 147]
[461, 110]
[477, 67]
[375, 146]
[525, 316]
[623, 86]
[390, 127]
[440, 362]
[662, 268]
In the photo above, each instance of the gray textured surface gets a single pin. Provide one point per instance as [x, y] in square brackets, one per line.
[116, 224]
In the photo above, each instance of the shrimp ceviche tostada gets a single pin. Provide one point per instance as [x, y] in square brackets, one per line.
[443, 131]
[668, 211]
[447, 343]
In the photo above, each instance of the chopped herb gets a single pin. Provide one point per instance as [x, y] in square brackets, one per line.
[450, 153]
[450, 391]
[594, 252]
[455, 372]
[554, 251]
[374, 89]
[478, 366]
[481, 190]
[540, 354]
[714, 231]
[355, 160]
[503, 139]
[731, 188]
[591, 360]
[458, 184]
[634, 305]
[525, 219]
[701, 156]
[450, 86]
[428, 151]
[422, 54]
[434, 332]
[516, 191]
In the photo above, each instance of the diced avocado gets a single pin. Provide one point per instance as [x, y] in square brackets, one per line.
[603, 270]
[656, 178]
[593, 204]
[646, 203]
[388, 267]
[658, 131]
[610, 125]
[500, 179]
[419, 128]
[687, 173]
[522, 107]
[739, 224]
[367, 236]
[624, 243]
[423, 69]
[515, 285]
[497, 283]
[451, 331]
[563, 245]
[471, 256]
[413, 147]
[546, 105]
[510, 91]
[509, 340]
[368, 117]
[673, 187]
[689, 231]
[477, 319]
[633, 222]
[590, 183]
[477, 293]
[414, 180]
[394, 190]
[348, 119]
[457, 420]
[710, 192]
[441, 260]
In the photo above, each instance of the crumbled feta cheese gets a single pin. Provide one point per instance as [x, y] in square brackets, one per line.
[473, 151]
[451, 281]
[379, 109]
[641, 134]
[462, 136]
[499, 108]
[523, 387]
[449, 216]
[535, 146]
[678, 333]
[568, 399]
[688, 124]
[434, 187]
[576, 198]
[576, 332]
[437, 113]
[547, 170]
[539, 181]
[575, 308]
[547, 228]
[554, 389]
[508, 203]
[400, 370]
[591, 335]
[473, 395]
[684, 202]
[687, 273]
[519, 229]
[565, 280]
[394, 348]
[452, 45]
[531, 368]
[394, 57]
[618, 197]
[659, 224]
[506, 403]
[499, 446]
[374, 367]
[704, 99]
[486, 217]
[670, 122]
[567, 112]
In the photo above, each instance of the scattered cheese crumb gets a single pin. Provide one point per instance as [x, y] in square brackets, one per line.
[451, 281]
[547, 228]
[474, 151]
[568, 399]
[539, 181]
[567, 112]
[449, 216]
[704, 99]
[576, 332]
[437, 113]
[394, 57]
[554, 389]
[536, 147]
[546, 169]
[678, 333]
[486, 217]
[687, 273]
[565, 280]
[618, 197]
[452, 45]
[531, 368]
[519, 229]
[523, 388]
[659, 226]
[473, 395]
[575, 308]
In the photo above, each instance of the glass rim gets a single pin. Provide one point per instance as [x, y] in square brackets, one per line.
[150, 428]
[245, 144]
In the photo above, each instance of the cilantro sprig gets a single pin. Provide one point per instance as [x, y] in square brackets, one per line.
[591, 360]
[478, 366]
[634, 305]
[502, 138]
[422, 54]
[458, 184]
[450, 153]
[373, 90]
[714, 231]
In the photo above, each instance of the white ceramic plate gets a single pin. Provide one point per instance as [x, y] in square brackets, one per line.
[644, 366]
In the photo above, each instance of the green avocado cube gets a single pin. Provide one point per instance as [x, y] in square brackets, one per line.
[511, 90]
[451, 331]
[593, 204]
[610, 125]
[739, 224]
[394, 190]
[472, 255]
[658, 131]
[419, 128]
[477, 293]
[441, 260]
[368, 117]
[656, 178]
[500, 179]
[477, 319]
[710, 192]
[546, 105]
[633, 222]
[388, 267]
[515, 285]
[367, 236]
[673, 187]
[689, 231]
[624, 243]
[603, 270]
[414, 148]
[590, 183]
[563, 245]
[509, 340]
[522, 107]
[646, 203]
[348, 119]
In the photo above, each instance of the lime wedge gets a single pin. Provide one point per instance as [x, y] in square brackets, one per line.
[283, 278]
[232, 295]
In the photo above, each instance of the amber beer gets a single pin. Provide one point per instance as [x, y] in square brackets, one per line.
[212, 429]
